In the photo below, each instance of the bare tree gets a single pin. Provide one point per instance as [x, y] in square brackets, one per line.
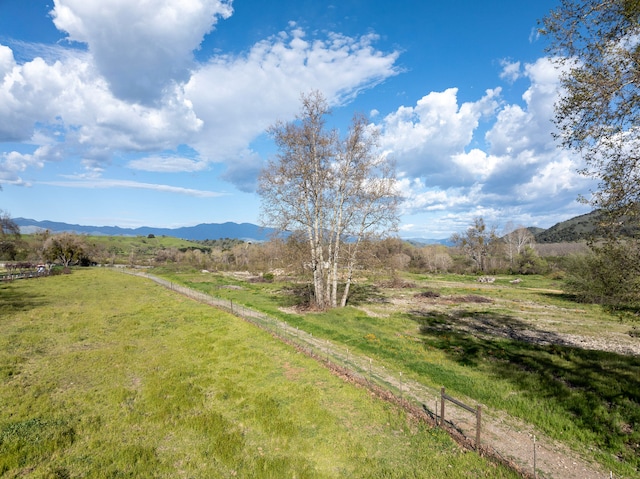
[515, 240]
[436, 258]
[336, 191]
[479, 242]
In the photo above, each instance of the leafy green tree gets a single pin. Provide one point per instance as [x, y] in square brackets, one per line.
[65, 248]
[9, 236]
[529, 262]
[596, 44]
[608, 275]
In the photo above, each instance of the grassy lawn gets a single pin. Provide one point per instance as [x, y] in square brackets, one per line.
[107, 375]
[483, 350]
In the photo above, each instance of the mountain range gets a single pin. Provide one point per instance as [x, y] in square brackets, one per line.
[201, 232]
[575, 229]
[211, 231]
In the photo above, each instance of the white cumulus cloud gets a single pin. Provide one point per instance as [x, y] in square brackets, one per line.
[87, 106]
[452, 168]
[140, 47]
[237, 98]
[424, 138]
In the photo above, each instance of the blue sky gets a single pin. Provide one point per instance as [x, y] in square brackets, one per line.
[152, 113]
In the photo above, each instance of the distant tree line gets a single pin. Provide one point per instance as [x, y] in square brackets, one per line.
[479, 250]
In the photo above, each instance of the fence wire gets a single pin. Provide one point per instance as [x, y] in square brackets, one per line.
[417, 398]
[362, 367]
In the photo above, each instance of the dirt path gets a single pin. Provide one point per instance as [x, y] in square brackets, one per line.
[502, 436]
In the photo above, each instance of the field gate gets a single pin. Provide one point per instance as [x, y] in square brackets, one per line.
[477, 411]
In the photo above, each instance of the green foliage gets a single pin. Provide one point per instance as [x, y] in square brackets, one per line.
[268, 277]
[528, 262]
[608, 275]
[595, 45]
[223, 244]
[10, 240]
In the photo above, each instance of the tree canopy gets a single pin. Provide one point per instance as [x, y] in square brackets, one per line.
[596, 44]
[9, 236]
[65, 248]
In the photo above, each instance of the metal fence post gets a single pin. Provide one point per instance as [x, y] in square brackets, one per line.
[442, 406]
[478, 422]
[535, 473]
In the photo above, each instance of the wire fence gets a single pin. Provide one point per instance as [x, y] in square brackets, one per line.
[22, 275]
[362, 368]
[390, 385]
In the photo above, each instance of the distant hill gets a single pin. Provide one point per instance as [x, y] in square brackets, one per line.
[534, 230]
[575, 229]
[211, 231]
[580, 228]
[428, 241]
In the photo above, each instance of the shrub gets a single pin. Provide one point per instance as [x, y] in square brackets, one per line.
[528, 262]
[608, 275]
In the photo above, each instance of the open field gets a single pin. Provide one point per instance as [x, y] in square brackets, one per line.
[108, 375]
[125, 249]
[570, 369]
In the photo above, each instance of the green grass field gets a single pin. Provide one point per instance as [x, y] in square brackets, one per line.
[105, 375]
[588, 399]
[123, 249]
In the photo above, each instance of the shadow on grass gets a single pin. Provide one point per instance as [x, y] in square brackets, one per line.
[364, 294]
[563, 296]
[301, 294]
[595, 391]
[14, 299]
[629, 312]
